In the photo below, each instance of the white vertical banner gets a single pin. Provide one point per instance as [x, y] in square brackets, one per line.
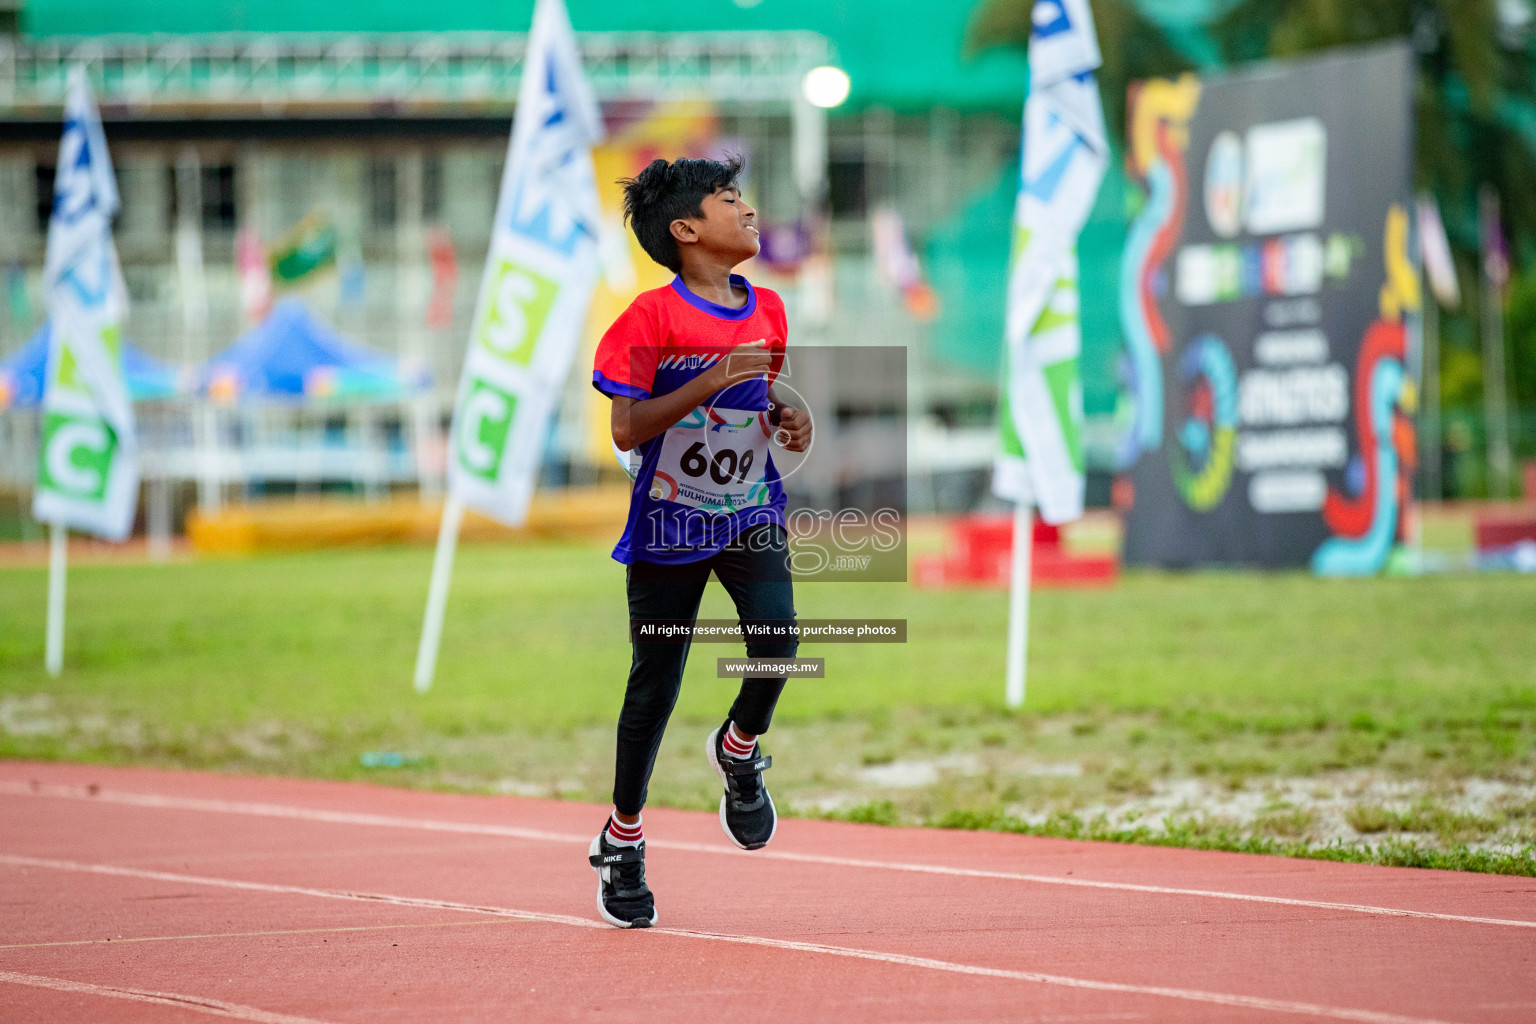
[1040, 409]
[88, 460]
[539, 274]
[87, 472]
[1065, 152]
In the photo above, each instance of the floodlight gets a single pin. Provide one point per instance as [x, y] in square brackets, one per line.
[825, 86]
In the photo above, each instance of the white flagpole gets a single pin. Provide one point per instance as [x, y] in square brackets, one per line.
[1018, 603]
[58, 552]
[437, 593]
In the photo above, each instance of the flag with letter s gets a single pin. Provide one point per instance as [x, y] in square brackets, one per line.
[87, 473]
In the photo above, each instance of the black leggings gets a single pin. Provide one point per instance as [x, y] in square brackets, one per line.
[754, 570]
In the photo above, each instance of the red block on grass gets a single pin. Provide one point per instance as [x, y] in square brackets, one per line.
[981, 553]
[1494, 531]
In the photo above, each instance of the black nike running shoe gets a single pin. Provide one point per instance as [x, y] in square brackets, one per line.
[746, 810]
[623, 898]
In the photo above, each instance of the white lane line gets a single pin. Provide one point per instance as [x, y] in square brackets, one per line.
[295, 890]
[926, 963]
[242, 935]
[1192, 995]
[197, 1004]
[540, 835]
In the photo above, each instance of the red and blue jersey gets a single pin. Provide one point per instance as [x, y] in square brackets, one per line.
[710, 476]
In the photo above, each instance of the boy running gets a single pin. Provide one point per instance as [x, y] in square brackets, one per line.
[690, 368]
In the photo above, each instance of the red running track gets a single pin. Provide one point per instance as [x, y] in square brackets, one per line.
[130, 895]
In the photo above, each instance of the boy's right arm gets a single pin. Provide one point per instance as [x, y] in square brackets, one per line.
[636, 421]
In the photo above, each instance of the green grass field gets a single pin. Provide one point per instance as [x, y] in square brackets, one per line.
[1386, 719]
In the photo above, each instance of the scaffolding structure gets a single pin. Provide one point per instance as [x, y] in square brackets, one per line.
[239, 80]
[391, 74]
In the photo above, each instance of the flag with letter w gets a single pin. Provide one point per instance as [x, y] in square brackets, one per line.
[539, 275]
[87, 470]
[1065, 152]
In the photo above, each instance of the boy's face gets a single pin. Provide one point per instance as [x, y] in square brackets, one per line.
[727, 229]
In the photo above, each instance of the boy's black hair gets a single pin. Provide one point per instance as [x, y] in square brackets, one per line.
[663, 192]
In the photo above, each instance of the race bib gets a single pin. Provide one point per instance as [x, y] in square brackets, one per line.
[716, 460]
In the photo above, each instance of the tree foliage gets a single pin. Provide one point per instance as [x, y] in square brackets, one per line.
[1475, 95]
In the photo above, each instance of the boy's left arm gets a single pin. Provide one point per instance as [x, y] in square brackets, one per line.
[794, 424]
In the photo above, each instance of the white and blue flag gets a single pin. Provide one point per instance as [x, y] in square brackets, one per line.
[539, 275]
[87, 473]
[1065, 153]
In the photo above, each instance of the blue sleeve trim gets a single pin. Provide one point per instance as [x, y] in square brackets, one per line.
[613, 388]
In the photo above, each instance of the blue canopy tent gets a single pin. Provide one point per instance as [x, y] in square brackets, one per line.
[22, 373]
[292, 356]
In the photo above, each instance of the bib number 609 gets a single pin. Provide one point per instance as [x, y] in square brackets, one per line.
[725, 464]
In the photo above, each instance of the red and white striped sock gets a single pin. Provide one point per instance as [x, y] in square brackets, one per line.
[620, 834]
[736, 745]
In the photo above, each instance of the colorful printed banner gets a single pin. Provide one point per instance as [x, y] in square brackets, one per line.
[539, 275]
[1267, 297]
[87, 473]
[1065, 152]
